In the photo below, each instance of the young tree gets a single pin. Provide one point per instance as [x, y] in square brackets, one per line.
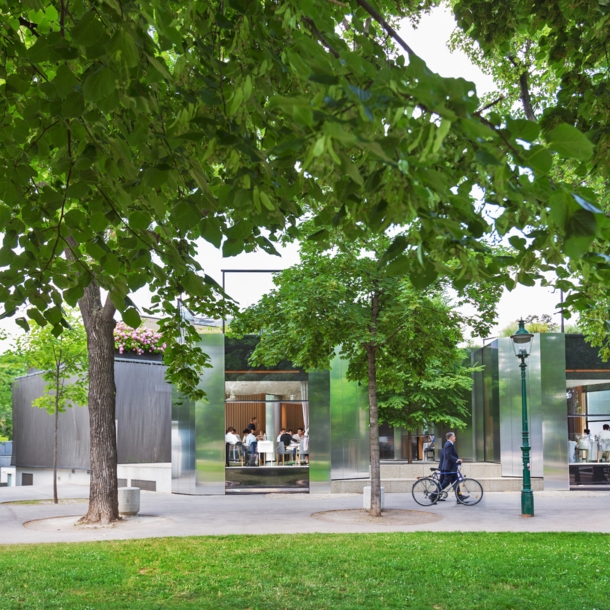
[62, 361]
[346, 301]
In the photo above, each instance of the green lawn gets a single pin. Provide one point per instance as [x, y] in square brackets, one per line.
[396, 570]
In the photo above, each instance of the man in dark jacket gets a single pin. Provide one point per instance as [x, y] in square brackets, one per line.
[449, 462]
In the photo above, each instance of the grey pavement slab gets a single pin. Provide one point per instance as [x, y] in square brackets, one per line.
[292, 514]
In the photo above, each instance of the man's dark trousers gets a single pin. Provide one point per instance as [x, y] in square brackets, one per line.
[449, 464]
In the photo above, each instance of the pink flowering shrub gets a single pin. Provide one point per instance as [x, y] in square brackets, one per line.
[141, 340]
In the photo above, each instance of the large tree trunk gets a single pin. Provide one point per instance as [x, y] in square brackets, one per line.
[409, 447]
[99, 325]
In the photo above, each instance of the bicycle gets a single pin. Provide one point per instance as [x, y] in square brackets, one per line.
[427, 491]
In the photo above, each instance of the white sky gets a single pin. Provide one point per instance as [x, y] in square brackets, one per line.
[429, 41]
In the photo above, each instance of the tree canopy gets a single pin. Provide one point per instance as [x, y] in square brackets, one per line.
[550, 63]
[132, 130]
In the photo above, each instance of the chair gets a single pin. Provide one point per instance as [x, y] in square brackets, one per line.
[582, 449]
[281, 450]
[236, 453]
[429, 451]
[604, 448]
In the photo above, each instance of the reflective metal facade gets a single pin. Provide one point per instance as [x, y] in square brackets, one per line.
[198, 429]
[546, 397]
[349, 425]
[554, 409]
[319, 432]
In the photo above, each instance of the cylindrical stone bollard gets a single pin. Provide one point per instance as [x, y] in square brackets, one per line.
[129, 501]
[366, 498]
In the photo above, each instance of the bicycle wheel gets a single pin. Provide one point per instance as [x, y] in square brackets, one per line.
[468, 492]
[426, 491]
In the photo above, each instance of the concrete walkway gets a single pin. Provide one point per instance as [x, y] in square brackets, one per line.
[256, 514]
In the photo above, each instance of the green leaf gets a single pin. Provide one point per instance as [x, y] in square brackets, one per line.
[210, 231]
[441, 133]
[64, 81]
[53, 315]
[193, 284]
[88, 30]
[522, 129]
[266, 201]
[75, 218]
[7, 256]
[99, 84]
[74, 105]
[569, 142]
[35, 315]
[23, 323]
[124, 46]
[131, 317]
[232, 247]
[139, 220]
[110, 264]
[235, 102]
[582, 224]
[539, 160]
[421, 278]
[559, 202]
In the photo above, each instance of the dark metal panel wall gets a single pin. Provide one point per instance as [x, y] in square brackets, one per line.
[478, 436]
[319, 431]
[349, 412]
[492, 403]
[33, 430]
[143, 413]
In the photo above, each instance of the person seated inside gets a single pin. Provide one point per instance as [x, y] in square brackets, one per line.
[250, 443]
[231, 438]
[261, 436]
[583, 445]
[287, 439]
[303, 444]
[604, 443]
[279, 436]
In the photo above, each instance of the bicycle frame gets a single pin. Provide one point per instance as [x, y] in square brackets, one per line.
[436, 475]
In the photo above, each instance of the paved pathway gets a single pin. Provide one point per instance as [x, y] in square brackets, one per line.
[235, 515]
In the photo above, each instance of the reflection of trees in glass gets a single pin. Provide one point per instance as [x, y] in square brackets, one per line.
[574, 403]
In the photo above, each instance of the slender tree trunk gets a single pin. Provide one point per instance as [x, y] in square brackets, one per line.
[374, 436]
[57, 373]
[409, 447]
[374, 411]
[99, 325]
[55, 500]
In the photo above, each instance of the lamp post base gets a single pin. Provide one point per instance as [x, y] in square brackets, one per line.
[527, 504]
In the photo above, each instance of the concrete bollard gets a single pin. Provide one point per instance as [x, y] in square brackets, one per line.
[366, 498]
[129, 501]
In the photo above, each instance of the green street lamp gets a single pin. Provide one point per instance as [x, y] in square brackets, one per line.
[522, 342]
